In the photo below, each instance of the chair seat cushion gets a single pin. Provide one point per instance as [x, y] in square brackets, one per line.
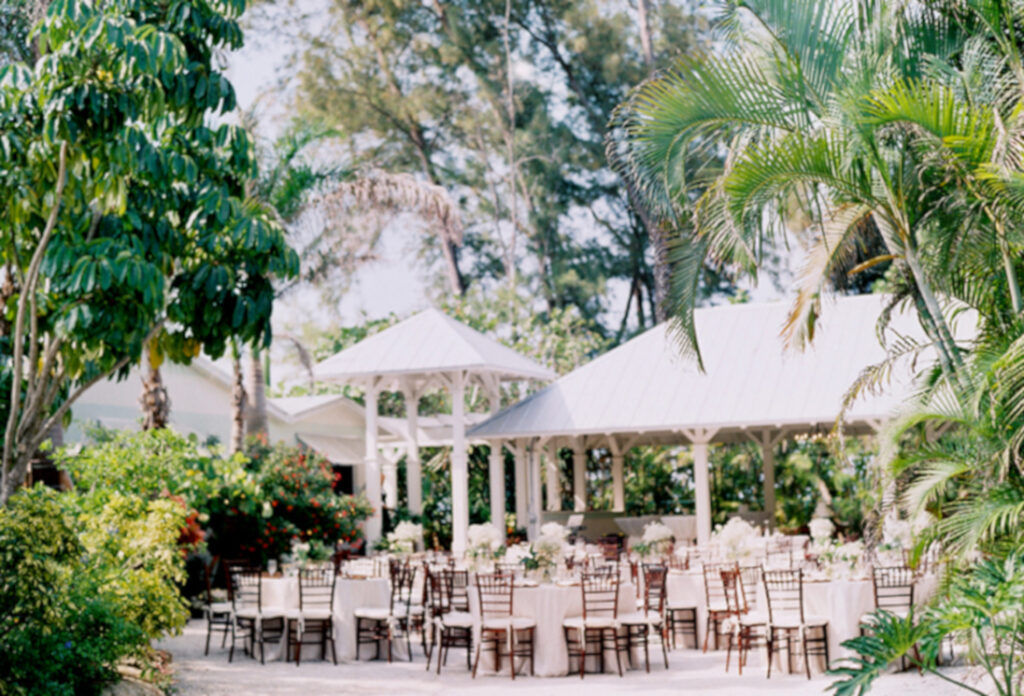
[503, 623]
[416, 610]
[681, 607]
[754, 618]
[793, 621]
[255, 613]
[898, 612]
[373, 613]
[219, 608]
[577, 622]
[315, 613]
[640, 619]
[457, 619]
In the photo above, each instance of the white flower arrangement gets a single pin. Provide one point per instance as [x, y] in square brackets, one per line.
[554, 530]
[897, 533]
[821, 529]
[483, 541]
[516, 553]
[405, 537]
[737, 539]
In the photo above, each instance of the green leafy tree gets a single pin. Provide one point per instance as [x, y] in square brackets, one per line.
[125, 214]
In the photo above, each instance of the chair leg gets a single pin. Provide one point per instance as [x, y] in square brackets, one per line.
[769, 642]
[476, 662]
[512, 652]
[664, 645]
[807, 656]
[728, 654]
[647, 654]
[707, 631]
[583, 651]
[209, 630]
[615, 644]
[231, 652]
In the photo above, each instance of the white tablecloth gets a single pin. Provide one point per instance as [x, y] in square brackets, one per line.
[349, 594]
[842, 602]
[549, 606]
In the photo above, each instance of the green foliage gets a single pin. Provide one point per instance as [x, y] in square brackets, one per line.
[249, 506]
[983, 608]
[296, 502]
[125, 209]
[62, 624]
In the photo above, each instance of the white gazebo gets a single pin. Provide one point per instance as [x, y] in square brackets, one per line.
[426, 351]
[753, 387]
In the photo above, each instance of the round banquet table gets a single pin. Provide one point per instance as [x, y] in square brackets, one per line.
[842, 602]
[349, 595]
[549, 605]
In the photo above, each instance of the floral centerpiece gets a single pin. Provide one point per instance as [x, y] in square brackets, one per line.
[736, 540]
[404, 538]
[897, 537]
[656, 541]
[547, 550]
[821, 530]
[484, 543]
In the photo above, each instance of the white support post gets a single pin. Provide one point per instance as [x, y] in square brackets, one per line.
[460, 465]
[699, 439]
[552, 483]
[496, 470]
[389, 475]
[618, 480]
[413, 465]
[521, 484]
[533, 507]
[768, 442]
[579, 477]
[496, 465]
[371, 466]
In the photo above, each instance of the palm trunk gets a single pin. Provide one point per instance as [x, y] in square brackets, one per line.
[156, 405]
[256, 396]
[237, 403]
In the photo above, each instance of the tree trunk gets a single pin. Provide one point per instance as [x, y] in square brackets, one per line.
[237, 404]
[645, 33]
[256, 396]
[156, 405]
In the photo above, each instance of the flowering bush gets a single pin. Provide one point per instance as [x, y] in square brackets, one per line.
[293, 499]
[405, 537]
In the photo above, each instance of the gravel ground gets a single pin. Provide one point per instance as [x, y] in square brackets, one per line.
[690, 672]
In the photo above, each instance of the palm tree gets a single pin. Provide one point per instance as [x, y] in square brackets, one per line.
[843, 120]
[318, 206]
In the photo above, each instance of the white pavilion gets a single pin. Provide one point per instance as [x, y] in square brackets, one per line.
[644, 392]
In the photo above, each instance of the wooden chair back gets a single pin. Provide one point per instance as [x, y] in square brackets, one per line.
[248, 589]
[316, 588]
[495, 592]
[655, 588]
[784, 590]
[894, 587]
[714, 592]
[600, 595]
[732, 586]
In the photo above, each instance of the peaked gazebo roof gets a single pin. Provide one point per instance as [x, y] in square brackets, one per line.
[428, 343]
[751, 380]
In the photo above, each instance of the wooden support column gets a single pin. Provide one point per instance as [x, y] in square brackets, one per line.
[579, 476]
[371, 466]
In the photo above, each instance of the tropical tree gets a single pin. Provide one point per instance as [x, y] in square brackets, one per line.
[124, 213]
[846, 122]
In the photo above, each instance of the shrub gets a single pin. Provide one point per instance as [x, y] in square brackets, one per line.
[61, 627]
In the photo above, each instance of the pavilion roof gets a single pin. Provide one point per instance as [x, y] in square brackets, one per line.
[752, 381]
[426, 345]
